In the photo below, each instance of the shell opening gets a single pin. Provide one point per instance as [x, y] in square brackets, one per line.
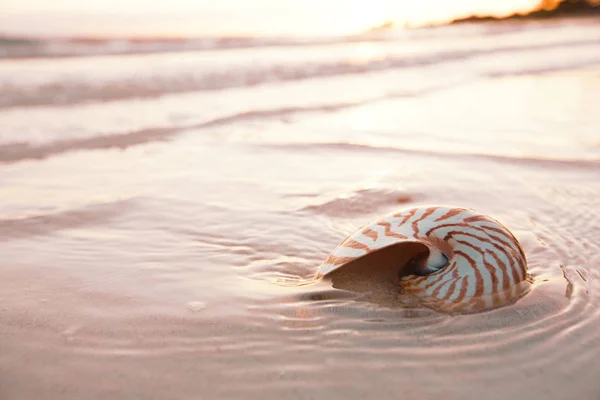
[435, 261]
[428, 261]
[379, 272]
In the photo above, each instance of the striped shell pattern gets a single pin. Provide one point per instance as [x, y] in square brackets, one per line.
[474, 262]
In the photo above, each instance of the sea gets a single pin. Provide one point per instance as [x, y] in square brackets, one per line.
[165, 205]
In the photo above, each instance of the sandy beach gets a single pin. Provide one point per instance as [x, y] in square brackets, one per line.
[162, 216]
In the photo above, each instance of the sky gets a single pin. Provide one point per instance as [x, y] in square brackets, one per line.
[113, 18]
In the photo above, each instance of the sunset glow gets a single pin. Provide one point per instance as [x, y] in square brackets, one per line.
[262, 17]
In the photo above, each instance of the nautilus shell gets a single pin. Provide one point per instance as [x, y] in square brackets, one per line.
[467, 262]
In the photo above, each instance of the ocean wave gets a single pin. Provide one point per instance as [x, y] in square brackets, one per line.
[20, 151]
[68, 89]
[511, 159]
[42, 224]
[13, 152]
[20, 48]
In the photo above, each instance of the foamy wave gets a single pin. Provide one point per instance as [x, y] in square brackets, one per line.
[20, 151]
[14, 47]
[511, 159]
[66, 88]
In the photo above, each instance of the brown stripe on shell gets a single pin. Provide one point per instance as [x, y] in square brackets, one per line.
[438, 276]
[509, 257]
[334, 260]
[457, 225]
[508, 246]
[427, 213]
[507, 233]
[515, 274]
[478, 278]
[407, 216]
[370, 233]
[453, 212]
[503, 267]
[480, 228]
[353, 244]
[439, 287]
[452, 287]
[388, 230]
[463, 289]
[451, 233]
[492, 271]
[453, 279]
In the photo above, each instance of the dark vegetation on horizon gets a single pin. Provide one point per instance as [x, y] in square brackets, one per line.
[546, 9]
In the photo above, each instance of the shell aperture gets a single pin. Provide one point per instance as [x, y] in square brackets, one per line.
[467, 261]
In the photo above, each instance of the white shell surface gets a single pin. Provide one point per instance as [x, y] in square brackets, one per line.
[486, 266]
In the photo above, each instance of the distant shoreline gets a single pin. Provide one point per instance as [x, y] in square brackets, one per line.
[565, 9]
[580, 8]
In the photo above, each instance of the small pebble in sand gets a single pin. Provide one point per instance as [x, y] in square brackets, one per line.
[196, 305]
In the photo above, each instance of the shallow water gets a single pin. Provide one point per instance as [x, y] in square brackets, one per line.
[163, 246]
